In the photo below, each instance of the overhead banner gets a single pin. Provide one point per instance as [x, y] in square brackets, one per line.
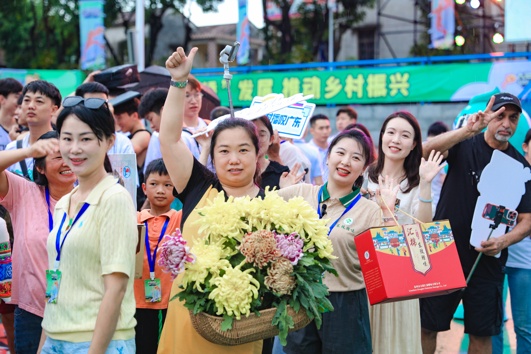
[420, 83]
[442, 24]
[243, 33]
[91, 34]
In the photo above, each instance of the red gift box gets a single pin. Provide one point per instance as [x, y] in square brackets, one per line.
[409, 261]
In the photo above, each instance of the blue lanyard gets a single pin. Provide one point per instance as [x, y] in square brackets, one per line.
[50, 217]
[152, 258]
[58, 243]
[351, 204]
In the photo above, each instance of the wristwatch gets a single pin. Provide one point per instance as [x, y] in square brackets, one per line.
[179, 84]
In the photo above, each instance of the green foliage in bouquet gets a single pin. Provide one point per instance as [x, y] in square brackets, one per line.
[255, 254]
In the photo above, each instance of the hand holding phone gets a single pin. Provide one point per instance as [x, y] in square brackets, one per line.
[508, 216]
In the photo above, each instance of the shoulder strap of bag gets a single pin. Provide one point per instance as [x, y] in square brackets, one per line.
[23, 162]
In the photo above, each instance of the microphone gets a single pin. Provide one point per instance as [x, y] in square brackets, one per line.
[323, 210]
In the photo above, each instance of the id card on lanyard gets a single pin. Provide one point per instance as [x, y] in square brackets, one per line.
[152, 287]
[347, 208]
[53, 276]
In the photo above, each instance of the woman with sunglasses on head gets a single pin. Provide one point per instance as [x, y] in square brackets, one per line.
[91, 249]
[396, 326]
[31, 206]
[234, 152]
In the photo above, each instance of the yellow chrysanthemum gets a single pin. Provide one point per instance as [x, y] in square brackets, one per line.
[221, 219]
[210, 259]
[303, 219]
[234, 292]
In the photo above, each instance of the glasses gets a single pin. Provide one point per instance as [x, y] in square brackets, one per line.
[196, 96]
[91, 103]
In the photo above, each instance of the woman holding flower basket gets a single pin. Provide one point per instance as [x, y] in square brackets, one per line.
[234, 150]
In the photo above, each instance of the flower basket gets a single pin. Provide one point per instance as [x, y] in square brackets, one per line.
[252, 256]
[246, 329]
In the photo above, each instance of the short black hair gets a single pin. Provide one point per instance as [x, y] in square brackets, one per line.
[91, 87]
[46, 88]
[317, 117]
[129, 107]
[219, 111]
[152, 101]
[437, 128]
[156, 166]
[10, 85]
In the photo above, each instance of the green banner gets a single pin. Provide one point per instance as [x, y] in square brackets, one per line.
[397, 84]
[65, 80]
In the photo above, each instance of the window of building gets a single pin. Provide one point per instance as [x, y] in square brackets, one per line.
[366, 43]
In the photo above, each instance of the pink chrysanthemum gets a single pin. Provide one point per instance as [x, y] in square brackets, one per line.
[259, 248]
[290, 246]
[174, 254]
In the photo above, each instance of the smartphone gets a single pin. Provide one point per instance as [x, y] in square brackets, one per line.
[230, 52]
[508, 218]
[234, 51]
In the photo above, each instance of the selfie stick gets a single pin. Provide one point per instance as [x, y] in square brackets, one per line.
[496, 222]
[227, 55]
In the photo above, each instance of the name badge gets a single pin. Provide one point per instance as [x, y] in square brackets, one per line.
[152, 290]
[53, 280]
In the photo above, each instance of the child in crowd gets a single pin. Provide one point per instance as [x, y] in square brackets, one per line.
[152, 292]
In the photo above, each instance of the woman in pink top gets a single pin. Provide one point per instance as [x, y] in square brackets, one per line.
[31, 206]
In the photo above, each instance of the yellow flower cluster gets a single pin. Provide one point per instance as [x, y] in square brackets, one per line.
[237, 216]
[234, 291]
[210, 259]
[222, 228]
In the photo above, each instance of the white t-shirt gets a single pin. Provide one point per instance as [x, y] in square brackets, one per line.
[153, 150]
[519, 254]
[4, 138]
[201, 124]
[122, 145]
[323, 154]
[290, 155]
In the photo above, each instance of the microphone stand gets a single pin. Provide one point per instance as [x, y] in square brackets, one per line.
[227, 55]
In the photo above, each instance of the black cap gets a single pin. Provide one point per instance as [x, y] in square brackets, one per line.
[504, 98]
[124, 98]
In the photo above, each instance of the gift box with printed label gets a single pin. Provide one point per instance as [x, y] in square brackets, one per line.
[409, 261]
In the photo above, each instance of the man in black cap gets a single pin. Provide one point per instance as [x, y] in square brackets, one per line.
[468, 150]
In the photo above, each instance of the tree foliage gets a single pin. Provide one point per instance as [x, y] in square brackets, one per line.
[39, 34]
[301, 39]
[44, 34]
